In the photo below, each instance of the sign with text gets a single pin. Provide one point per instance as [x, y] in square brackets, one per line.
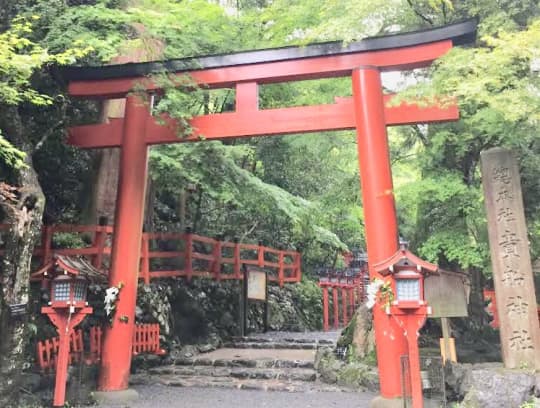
[256, 285]
[510, 258]
[447, 293]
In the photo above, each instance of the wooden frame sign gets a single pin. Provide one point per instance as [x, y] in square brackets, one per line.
[256, 285]
[255, 288]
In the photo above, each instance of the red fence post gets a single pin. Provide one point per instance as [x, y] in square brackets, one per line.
[260, 255]
[298, 267]
[236, 256]
[216, 266]
[188, 267]
[46, 243]
[281, 272]
[336, 307]
[145, 259]
[325, 307]
[46, 246]
[100, 238]
[345, 316]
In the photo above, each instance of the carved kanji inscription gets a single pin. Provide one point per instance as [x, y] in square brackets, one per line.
[510, 258]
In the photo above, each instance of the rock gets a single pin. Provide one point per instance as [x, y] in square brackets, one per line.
[205, 348]
[31, 381]
[490, 385]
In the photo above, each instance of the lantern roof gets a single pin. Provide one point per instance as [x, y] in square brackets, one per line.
[405, 258]
[68, 265]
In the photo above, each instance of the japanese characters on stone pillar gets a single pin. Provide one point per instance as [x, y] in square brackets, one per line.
[510, 258]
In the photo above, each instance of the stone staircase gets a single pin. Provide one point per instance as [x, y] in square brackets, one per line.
[266, 362]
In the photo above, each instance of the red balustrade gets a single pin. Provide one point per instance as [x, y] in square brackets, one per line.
[145, 340]
[195, 256]
[352, 292]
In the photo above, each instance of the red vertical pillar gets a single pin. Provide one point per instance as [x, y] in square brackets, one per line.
[413, 324]
[336, 307]
[325, 307]
[345, 315]
[126, 250]
[379, 213]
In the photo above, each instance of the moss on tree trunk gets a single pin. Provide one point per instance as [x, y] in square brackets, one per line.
[23, 210]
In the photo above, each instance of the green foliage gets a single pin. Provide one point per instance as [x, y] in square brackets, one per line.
[20, 57]
[11, 156]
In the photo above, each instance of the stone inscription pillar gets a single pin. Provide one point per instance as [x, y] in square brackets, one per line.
[510, 258]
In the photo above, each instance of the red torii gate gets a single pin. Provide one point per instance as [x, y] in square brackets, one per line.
[366, 112]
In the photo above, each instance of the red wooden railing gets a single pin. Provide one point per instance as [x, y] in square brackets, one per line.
[194, 256]
[145, 340]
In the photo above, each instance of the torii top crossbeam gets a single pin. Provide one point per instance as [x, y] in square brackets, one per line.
[246, 70]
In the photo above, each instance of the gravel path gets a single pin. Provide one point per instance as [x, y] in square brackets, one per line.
[156, 396]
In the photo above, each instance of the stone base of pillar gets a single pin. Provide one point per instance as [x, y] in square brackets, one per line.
[115, 397]
[381, 402]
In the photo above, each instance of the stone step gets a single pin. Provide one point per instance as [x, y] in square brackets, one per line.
[230, 382]
[256, 339]
[288, 374]
[244, 362]
[272, 345]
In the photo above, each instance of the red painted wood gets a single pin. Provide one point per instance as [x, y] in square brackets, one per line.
[145, 339]
[379, 213]
[260, 256]
[336, 307]
[237, 261]
[246, 123]
[145, 260]
[118, 338]
[247, 97]
[281, 272]
[325, 309]
[188, 266]
[100, 239]
[272, 72]
[344, 311]
[216, 266]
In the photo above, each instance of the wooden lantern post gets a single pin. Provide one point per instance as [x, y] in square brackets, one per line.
[408, 308]
[67, 308]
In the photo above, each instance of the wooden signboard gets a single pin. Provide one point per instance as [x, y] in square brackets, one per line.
[256, 285]
[255, 288]
[447, 294]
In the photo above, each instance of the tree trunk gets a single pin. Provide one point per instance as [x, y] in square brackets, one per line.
[477, 314]
[24, 213]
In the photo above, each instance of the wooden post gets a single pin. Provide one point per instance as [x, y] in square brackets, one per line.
[336, 307]
[188, 256]
[344, 307]
[216, 266]
[236, 265]
[260, 255]
[281, 272]
[266, 311]
[325, 308]
[99, 243]
[145, 259]
[46, 243]
[448, 347]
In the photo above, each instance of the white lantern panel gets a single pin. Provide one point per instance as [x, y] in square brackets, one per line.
[61, 291]
[408, 289]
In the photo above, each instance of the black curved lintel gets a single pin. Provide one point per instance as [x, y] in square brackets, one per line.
[459, 33]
